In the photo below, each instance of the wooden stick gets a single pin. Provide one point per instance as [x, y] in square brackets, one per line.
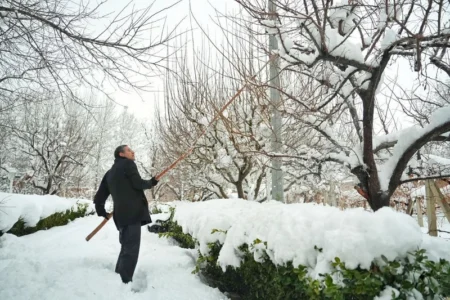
[182, 157]
[98, 227]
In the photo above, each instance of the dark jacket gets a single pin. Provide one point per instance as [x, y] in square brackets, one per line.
[126, 187]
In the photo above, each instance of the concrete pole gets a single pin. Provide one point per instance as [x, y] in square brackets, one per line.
[275, 98]
[11, 182]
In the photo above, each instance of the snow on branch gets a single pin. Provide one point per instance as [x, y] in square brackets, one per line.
[408, 142]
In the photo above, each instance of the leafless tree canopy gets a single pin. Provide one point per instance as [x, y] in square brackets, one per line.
[64, 45]
[344, 49]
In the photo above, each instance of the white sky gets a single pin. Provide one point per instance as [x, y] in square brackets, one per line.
[143, 104]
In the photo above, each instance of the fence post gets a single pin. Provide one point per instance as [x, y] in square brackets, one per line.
[431, 208]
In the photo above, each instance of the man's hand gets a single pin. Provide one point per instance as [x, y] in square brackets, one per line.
[154, 181]
[101, 212]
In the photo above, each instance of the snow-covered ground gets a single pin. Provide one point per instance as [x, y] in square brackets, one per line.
[59, 264]
[442, 224]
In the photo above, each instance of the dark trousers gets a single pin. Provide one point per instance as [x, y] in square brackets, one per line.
[130, 239]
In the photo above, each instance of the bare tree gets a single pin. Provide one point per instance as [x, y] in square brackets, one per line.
[46, 46]
[223, 159]
[54, 145]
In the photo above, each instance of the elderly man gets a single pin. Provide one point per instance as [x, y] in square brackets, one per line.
[126, 187]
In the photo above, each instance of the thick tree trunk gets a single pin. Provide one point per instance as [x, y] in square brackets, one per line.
[368, 176]
[379, 200]
[240, 189]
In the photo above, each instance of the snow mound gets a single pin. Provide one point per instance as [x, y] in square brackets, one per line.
[293, 231]
[32, 208]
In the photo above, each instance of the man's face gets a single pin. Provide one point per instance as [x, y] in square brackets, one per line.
[127, 153]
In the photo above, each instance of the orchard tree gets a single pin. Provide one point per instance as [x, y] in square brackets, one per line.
[53, 144]
[344, 48]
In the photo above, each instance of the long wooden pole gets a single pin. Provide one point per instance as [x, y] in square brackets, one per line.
[189, 151]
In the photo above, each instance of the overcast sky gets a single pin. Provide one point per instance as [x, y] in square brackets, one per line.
[143, 104]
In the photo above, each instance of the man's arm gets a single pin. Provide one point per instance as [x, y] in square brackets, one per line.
[100, 198]
[137, 182]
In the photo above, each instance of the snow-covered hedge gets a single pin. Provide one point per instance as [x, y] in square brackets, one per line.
[24, 214]
[312, 250]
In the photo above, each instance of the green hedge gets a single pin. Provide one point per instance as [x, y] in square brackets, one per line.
[56, 219]
[171, 229]
[264, 280]
[156, 210]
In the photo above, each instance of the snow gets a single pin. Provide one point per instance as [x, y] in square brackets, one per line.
[298, 55]
[390, 36]
[32, 208]
[342, 46]
[439, 160]
[387, 293]
[270, 26]
[203, 121]
[223, 159]
[406, 139]
[442, 225]
[292, 231]
[363, 80]
[342, 12]
[59, 264]
[388, 138]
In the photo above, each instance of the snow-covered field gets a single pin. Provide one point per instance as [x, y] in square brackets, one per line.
[59, 264]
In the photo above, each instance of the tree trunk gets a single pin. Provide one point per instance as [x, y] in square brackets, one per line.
[379, 200]
[240, 189]
[258, 183]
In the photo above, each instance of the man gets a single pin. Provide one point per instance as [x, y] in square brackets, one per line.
[126, 187]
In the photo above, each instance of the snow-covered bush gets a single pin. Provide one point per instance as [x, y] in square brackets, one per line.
[261, 279]
[25, 214]
[303, 251]
[171, 229]
[57, 219]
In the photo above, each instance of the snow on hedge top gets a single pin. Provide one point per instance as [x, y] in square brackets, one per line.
[31, 208]
[292, 231]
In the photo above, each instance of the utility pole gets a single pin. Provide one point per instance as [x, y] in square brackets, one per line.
[277, 173]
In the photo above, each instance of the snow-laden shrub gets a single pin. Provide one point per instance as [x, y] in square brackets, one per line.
[257, 277]
[415, 276]
[170, 229]
[57, 219]
[156, 210]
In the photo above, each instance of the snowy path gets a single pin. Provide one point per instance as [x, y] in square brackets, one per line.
[60, 264]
